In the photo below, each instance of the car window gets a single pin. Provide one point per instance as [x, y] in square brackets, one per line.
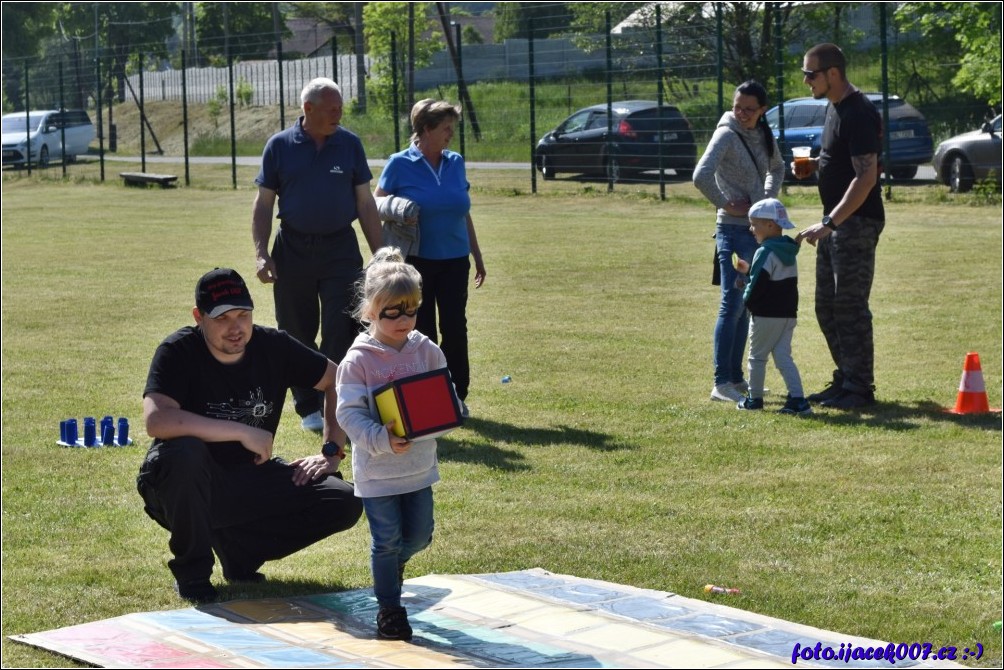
[575, 122]
[597, 120]
[805, 116]
[997, 125]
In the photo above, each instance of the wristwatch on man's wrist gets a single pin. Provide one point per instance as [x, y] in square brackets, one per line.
[329, 449]
[828, 222]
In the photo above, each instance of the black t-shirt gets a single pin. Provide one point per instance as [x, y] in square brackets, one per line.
[853, 127]
[251, 391]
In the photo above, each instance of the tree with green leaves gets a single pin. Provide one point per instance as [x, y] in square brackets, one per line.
[381, 21]
[247, 29]
[25, 26]
[513, 19]
[972, 32]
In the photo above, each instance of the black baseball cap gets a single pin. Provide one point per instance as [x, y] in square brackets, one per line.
[220, 291]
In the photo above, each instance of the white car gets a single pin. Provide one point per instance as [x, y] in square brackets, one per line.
[44, 132]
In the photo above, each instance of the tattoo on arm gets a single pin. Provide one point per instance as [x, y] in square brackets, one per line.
[863, 164]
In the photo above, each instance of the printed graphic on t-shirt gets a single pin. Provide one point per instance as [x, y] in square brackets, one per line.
[252, 411]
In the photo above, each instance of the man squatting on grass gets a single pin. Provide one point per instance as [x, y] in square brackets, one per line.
[212, 403]
[849, 231]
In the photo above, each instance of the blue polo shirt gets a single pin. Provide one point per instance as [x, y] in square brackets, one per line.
[442, 196]
[316, 187]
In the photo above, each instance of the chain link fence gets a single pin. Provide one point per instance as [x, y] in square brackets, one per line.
[513, 93]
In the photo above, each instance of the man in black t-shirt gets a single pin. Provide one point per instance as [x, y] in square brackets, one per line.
[212, 403]
[848, 233]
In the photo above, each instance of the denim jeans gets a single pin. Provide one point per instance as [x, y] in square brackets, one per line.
[733, 319]
[400, 526]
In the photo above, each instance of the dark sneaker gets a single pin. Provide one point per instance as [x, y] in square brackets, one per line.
[750, 403]
[200, 591]
[799, 406]
[850, 400]
[392, 624]
[832, 390]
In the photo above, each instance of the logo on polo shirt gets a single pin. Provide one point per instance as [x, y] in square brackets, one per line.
[337, 169]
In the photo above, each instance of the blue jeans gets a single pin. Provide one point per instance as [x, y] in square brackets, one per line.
[401, 526]
[733, 319]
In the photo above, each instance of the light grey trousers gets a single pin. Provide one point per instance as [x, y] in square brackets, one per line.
[771, 336]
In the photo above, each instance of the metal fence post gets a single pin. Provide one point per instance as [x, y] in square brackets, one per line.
[27, 118]
[142, 117]
[62, 121]
[533, 107]
[184, 115]
[658, 74]
[611, 161]
[394, 96]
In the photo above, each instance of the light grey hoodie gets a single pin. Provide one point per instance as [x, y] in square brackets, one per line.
[368, 365]
[726, 171]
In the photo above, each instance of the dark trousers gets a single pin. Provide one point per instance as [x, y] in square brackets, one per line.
[444, 289]
[248, 513]
[845, 268]
[314, 292]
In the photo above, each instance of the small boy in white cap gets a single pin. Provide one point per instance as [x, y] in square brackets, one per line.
[771, 296]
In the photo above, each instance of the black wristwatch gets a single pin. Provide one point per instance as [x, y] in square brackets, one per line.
[329, 449]
[828, 222]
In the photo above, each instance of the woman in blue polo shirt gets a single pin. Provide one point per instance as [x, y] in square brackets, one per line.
[435, 178]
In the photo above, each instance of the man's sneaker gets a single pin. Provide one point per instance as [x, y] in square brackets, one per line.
[726, 393]
[750, 403]
[741, 386]
[832, 390]
[464, 411]
[314, 422]
[199, 591]
[799, 406]
[392, 624]
[850, 400]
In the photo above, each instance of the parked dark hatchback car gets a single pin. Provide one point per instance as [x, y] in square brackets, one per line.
[910, 143]
[585, 143]
[962, 160]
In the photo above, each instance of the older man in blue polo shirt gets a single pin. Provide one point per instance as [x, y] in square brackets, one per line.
[318, 171]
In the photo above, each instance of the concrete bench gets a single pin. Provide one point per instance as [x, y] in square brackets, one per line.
[144, 178]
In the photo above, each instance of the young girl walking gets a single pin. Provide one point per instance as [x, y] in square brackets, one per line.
[392, 475]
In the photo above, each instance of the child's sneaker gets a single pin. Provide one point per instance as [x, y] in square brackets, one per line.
[799, 406]
[750, 403]
[392, 624]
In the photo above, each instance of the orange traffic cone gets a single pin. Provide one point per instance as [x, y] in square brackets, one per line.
[972, 398]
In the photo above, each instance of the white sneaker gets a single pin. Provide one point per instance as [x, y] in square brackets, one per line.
[464, 411]
[726, 393]
[314, 422]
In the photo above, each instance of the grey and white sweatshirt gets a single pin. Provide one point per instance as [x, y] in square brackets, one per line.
[726, 172]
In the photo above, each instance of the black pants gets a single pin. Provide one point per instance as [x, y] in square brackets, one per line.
[444, 289]
[314, 291]
[248, 513]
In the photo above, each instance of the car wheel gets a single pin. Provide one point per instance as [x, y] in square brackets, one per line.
[960, 174]
[43, 157]
[613, 169]
[903, 172]
[546, 168]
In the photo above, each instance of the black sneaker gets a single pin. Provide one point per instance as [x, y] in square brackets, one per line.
[199, 591]
[750, 403]
[392, 624]
[832, 390]
[799, 406]
[850, 400]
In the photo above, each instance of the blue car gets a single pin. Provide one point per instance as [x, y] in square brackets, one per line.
[910, 142]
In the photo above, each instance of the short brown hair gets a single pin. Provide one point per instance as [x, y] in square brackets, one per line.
[828, 55]
[429, 113]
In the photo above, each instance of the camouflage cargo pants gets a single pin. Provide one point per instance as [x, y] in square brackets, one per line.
[845, 267]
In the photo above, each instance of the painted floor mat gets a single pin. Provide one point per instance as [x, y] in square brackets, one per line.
[526, 619]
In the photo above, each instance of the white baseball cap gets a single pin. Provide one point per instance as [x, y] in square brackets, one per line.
[771, 208]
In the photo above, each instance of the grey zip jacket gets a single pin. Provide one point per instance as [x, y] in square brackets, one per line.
[726, 171]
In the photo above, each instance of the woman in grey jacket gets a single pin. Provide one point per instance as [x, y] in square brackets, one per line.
[741, 165]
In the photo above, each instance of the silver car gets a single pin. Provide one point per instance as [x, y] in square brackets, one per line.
[45, 131]
[963, 160]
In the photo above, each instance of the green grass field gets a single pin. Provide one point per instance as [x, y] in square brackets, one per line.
[603, 457]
